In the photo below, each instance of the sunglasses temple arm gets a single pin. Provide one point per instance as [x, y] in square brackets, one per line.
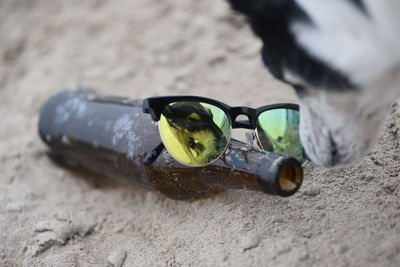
[154, 154]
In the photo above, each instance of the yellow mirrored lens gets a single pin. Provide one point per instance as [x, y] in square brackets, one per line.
[194, 133]
[278, 131]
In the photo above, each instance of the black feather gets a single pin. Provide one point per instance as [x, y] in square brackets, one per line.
[271, 20]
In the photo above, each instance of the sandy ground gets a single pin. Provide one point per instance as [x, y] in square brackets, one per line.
[49, 217]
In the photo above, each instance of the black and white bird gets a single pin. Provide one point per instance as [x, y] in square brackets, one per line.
[343, 59]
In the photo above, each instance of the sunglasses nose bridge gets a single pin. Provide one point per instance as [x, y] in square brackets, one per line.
[246, 124]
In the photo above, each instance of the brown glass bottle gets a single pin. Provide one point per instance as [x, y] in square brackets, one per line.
[111, 136]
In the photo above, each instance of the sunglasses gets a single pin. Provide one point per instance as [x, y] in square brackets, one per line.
[196, 130]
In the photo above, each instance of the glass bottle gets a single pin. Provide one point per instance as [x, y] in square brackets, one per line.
[110, 136]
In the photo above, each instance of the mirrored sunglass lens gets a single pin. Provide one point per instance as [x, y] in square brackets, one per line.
[194, 133]
[278, 131]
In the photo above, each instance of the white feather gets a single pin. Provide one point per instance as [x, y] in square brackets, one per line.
[362, 46]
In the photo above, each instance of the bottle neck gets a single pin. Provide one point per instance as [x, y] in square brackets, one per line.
[240, 167]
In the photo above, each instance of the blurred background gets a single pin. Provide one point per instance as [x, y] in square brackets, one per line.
[134, 48]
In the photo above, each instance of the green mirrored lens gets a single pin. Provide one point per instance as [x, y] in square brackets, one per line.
[194, 133]
[278, 131]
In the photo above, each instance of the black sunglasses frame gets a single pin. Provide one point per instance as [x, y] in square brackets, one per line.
[155, 105]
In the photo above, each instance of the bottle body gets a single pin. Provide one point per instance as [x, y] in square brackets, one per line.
[111, 137]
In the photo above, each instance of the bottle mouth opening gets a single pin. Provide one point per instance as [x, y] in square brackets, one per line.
[290, 177]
